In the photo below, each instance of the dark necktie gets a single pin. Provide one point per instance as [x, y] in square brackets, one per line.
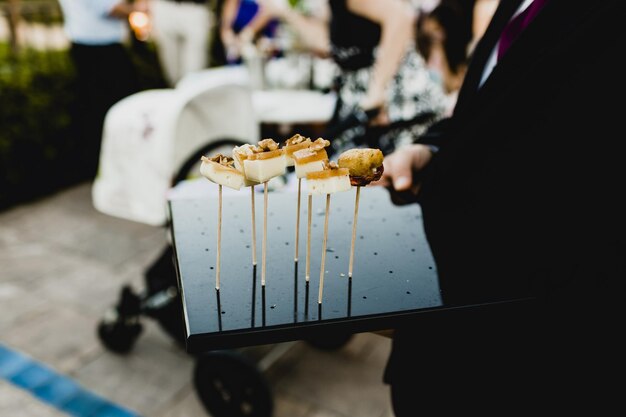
[517, 25]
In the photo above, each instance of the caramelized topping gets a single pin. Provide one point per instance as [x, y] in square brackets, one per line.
[330, 165]
[265, 155]
[296, 140]
[223, 160]
[307, 155]
[296, 143]
[265, 145]
[320, 144]
[243, 151]
[330, 170]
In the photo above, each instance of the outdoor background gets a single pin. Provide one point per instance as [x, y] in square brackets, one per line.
[62, 263]
[36, 152]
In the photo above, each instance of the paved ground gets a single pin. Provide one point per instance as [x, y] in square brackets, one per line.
[62, 264]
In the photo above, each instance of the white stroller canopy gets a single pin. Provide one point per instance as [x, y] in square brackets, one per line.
[150, 135]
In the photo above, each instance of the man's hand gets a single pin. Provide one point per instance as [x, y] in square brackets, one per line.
[385, 333]
[400, 168]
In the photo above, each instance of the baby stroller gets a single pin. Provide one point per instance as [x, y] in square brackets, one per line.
[153, 141]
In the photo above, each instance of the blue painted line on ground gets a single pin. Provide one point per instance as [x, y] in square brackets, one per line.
[55, 389]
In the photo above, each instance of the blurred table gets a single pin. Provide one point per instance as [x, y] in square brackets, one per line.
[278, 110]
[293, 106]
[282, 113]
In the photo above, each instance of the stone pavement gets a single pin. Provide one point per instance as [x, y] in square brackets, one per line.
[62, 265]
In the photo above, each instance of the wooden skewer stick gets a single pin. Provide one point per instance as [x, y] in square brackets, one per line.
[253, 226]
[356, 214]
[322, 272]
[219, 238]
[264, 246]
[308, 240]
[295, 259]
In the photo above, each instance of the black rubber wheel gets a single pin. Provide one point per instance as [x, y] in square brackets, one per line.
[231, 386]
[119, 337]
[331, 342]
[119, 329]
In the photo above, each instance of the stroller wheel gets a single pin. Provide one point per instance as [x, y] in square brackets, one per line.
[230, 386]
[331, 342]
[118, 337]
[120, 327]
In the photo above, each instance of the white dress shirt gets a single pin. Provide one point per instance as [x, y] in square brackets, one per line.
[493, 58]
[89, 22]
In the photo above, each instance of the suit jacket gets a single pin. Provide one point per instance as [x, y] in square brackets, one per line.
[524, 200]
[524, 196]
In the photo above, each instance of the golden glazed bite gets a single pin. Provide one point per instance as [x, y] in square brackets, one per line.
[312, 158]
[365, 165]
[294, 144]
[219, 169]
[331, 179]
[267, 162]
[240, 154]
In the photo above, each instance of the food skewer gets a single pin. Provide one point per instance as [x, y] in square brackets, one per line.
[310, 159]
[308, 239]
[266, 162]
[264, 247]
[241, 153]
[219, 238]
[331, 179]
[292, 145]
[324, 243]
[253, 209]
[365, 165]
[219, 169]
[356, 215]
[295, 256]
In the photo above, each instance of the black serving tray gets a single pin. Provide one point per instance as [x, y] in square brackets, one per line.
[394, 275]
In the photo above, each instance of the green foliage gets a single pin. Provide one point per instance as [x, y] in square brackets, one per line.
[40, 151]
[37, 11]
[36, 144]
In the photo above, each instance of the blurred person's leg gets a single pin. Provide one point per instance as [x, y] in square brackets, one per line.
[165, 15]
[90, 107]
[197, 24]
[121, 78]
[104, 75]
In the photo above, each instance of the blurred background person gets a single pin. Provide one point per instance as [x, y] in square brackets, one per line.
[182, 34]
[241, 22]
[444, 36]
[382, 78]
[483, 11]
[98, 31]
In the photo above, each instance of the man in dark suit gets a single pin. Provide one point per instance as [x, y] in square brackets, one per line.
[521, 195]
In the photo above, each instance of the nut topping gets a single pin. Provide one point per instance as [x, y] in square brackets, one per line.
[330, 165]
[266, 145]
[224, 160]
[319, 144]
[295, 139]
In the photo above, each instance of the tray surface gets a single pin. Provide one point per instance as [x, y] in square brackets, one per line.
[394, 273]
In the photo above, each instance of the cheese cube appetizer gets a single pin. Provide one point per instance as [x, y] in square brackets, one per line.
[240, 154]
[331, 179]
[219, 170]
[294, 144]
[266, 162]
[312, 158]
